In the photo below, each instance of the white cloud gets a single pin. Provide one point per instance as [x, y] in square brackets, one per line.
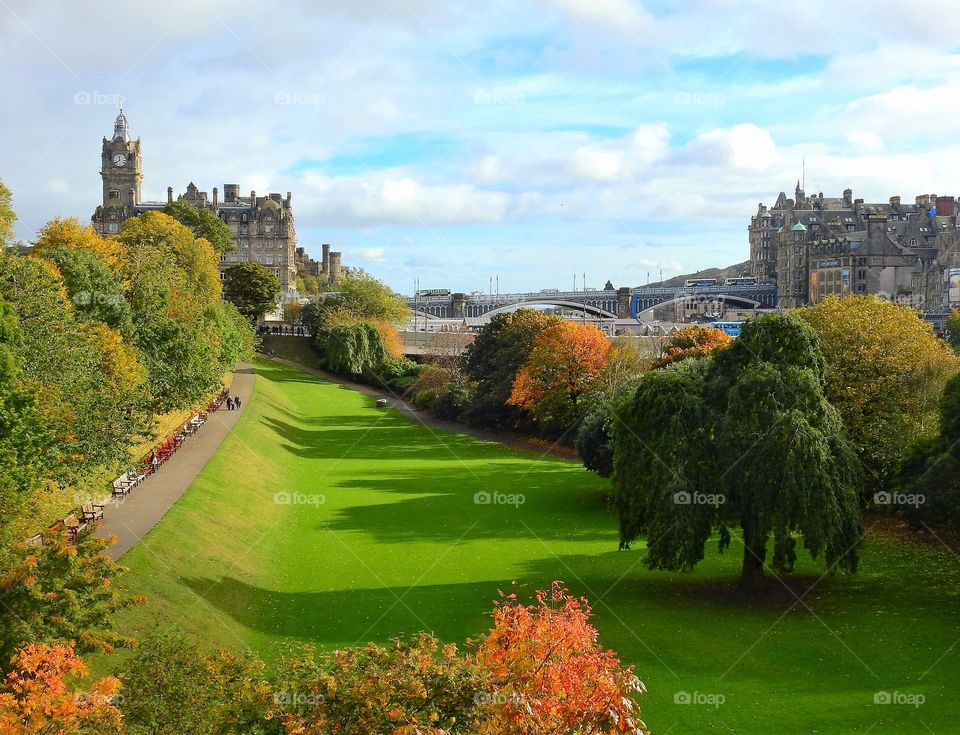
[370, 255]
[613, 14]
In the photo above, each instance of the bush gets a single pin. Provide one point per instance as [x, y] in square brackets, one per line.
[451, 405]
[432, 383]
[355, 349]
[593, 443]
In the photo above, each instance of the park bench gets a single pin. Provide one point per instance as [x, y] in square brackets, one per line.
[381, 403]
[73, 526]
[90, 512]
[121, 486]
[35, 540]
[135, 477]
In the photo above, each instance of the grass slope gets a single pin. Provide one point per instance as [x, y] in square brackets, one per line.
[399, 545]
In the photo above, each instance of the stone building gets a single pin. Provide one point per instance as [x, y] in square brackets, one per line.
[263, 226]
[815, 246]
[328, 269]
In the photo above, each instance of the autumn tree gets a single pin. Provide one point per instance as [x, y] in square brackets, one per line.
[176, 306]
[548, 674]
[252, 288]
[564, 365]
[90, 382]
[69, 234]
[953, 329]
[62, 590]
[885, 371]
[41, 695]
[495, 357]
[693, 341]
[407, 688]
[95, 292]
[743, 438]
[174, 686]
[203, 223]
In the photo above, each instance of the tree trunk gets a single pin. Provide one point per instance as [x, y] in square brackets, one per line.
[753, 581]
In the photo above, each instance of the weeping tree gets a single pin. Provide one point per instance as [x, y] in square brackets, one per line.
[355, 349]
[743, 442]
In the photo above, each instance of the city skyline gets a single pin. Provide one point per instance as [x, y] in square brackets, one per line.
[450, 144]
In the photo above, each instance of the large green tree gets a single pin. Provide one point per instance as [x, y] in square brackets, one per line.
[743, 438]
[24, 433]
[364, 296]
[928, 482]
[94, 290]
[252, 288]
[885, 370]
[203, 223]
[495, 357]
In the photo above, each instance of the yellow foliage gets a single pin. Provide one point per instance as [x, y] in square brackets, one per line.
[70, 234]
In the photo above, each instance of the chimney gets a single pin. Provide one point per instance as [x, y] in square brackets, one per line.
[876, 224]
[253, 198]
[857, 204]
[847, 197]
[946, 206]
[216, 197]
[169, 195]
[895, 202]
[289, 197]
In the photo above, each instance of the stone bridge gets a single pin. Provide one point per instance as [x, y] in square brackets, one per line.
[622, 303]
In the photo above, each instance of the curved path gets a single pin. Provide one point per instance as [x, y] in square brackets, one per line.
[131, 517]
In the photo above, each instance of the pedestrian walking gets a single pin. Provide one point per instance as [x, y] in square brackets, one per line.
[154, 461]
[236, 402]
[229, 403]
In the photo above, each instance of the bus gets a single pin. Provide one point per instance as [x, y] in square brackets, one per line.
[695, 282]
[731, 328]
[433, 292]
[742, 281]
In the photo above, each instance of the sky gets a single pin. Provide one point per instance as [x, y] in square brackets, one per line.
[539, 141]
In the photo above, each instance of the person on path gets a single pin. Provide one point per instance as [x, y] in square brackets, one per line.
[229, 403]
[154, 462]
[236, 402]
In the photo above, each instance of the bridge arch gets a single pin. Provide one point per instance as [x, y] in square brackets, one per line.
[591, 309]
[721, 297]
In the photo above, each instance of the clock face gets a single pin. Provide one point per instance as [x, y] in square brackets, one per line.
[119, 160]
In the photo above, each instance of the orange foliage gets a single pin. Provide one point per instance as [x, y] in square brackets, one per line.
[392, 341]
[550, 674]
[37, 697]
[694, 341]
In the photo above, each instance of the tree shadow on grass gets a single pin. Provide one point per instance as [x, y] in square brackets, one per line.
[545, 502]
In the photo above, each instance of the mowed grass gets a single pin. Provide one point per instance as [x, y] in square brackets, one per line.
[324, 519]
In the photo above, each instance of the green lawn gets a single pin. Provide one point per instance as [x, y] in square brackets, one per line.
[399, 545]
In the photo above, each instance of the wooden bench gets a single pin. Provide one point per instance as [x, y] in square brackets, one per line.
[121, 486]
[73, 526]
[91, 512]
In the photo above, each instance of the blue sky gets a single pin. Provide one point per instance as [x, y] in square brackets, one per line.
[451, 141]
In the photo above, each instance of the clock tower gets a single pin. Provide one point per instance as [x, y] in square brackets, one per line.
[122, 174]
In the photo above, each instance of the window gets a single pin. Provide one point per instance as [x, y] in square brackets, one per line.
[112, 227]
[243, 229]
[114, 194]
[913, 242]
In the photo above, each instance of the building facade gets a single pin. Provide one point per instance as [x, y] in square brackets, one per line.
[816, 246]
[262, 226]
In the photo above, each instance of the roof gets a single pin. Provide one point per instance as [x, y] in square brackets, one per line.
[799, 227]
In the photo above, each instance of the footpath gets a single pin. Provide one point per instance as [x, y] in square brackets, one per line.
[130, 518]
